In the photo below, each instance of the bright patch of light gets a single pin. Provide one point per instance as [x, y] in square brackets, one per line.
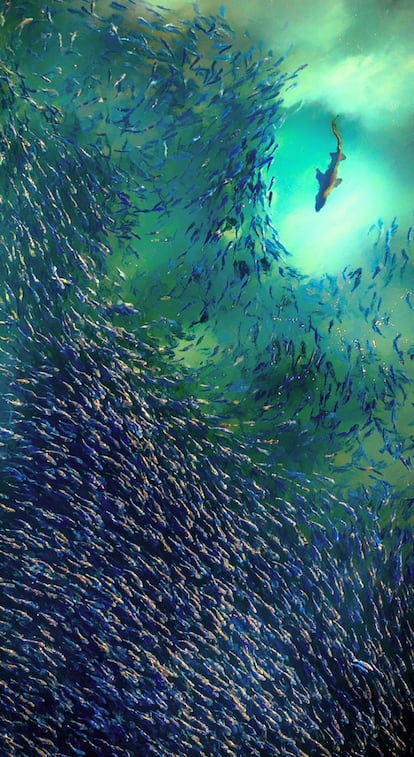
[336, 236]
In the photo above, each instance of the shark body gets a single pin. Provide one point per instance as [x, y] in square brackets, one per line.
[329, 180]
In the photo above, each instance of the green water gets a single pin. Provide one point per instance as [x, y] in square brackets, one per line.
[276, 353]
[205, 386]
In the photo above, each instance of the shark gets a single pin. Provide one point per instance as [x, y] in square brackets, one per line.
[329, 180]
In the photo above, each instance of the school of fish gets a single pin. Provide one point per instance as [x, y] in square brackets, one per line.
[205, 456]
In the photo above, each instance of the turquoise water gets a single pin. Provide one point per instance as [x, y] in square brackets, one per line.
[206, 386]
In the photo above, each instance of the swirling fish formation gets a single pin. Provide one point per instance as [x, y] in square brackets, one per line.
[170, 585]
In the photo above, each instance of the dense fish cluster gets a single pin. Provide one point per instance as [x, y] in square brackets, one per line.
[204, 455]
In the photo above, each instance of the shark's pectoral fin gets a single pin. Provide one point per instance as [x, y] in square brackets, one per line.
[337, 182]
[319, 174]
